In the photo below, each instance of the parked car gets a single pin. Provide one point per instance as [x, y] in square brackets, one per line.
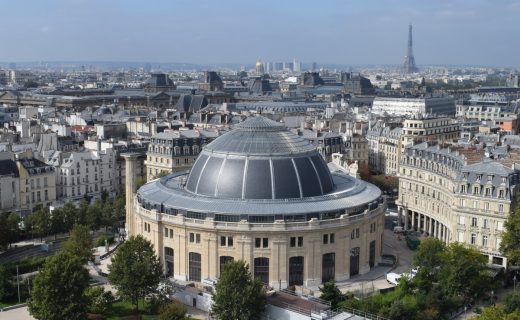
[399, 229]
[393, 278]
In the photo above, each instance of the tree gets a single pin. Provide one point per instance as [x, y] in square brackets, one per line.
[98, 299]
[40, 220]
[463, 272]
[80, 243]
[30, 84]
[58, 289]
[5, 282]
[237, 295]
[9, 229]
[135, 270]
[430, 259]
[172, 311]
[331, 293]
[510, 244]
[512, 302]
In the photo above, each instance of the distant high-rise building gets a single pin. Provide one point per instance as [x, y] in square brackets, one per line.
[259, 66]
[288, 66]
[297, 66]
[278, 66]
[314, 66]
[409, 60]
[147, 68]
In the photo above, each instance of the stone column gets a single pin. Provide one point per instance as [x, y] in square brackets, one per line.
[406, 218]
[130, 189]
[400, 215]
[413, 220]
[430, 232]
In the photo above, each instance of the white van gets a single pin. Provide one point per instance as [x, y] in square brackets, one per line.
[398, 229]
[393, 278]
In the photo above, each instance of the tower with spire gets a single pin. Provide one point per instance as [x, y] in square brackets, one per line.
[409, 60]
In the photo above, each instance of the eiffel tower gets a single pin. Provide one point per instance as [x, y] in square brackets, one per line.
[409, 61]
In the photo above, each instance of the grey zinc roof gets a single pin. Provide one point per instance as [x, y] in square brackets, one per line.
[348, 193]
[489, 167]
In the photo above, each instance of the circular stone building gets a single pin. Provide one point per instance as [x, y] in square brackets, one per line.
[262, 194]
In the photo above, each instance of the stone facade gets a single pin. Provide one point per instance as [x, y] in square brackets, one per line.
[452, 194]
[173, 151]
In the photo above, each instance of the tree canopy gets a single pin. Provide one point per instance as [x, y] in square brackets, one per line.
[59, 289]
[330, 292]
[135, 269]
[80, 243]
[237, 295]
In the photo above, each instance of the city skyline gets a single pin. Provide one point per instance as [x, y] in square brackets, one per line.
[335, 32]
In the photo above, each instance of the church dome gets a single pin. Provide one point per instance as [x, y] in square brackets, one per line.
[260, 159]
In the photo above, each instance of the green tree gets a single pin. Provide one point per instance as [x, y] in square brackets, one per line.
[98, 299]
[135, 270]
[58, 289]
[95, 215]
[512, 302]
[30, 84]
[40, 220]
[172, 311]
[237, 295]
[429, 257]
[463, 272]
[9, 229]
[510, 244]
[330, 292]
[80, 243]
[497, 313]
[5, 282]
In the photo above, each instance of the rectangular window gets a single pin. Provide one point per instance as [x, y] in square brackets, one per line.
[500, 208]
[485, 241]
[473, 238]
[486, 205]
[331, 238]
[197, 238]
[166, 232]
[485, 224]
[474, 222]
[265, 242]
[292, 242]
[230, 241]
[325, 239]
[300, 241]
[192, 237]
[222, 241]
[171, 233]
[258, 242]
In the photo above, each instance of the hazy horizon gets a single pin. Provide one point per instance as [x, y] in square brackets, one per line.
[459, 32]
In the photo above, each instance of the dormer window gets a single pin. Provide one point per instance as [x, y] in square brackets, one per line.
[490, 178]
[504, 179]
[475, 190]
[463, 188]
[479, 177]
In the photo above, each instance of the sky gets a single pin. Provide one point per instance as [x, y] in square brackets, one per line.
[351, 32]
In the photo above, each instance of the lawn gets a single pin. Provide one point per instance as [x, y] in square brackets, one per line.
[120, 309]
